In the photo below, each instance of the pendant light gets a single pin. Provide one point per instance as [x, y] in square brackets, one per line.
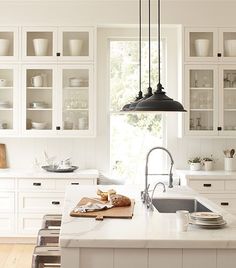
[131, 106]
[159, 101]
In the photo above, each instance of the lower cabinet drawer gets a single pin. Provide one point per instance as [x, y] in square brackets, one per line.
[61, 184]
[206, 185]
[7, 223]
[230, 185]
[36, 184]
[7, 184]
[29, 223]
[41, 202]
[228, 204]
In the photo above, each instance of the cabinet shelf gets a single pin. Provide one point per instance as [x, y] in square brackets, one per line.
[6, 109]
[39, 88]
[39, 109]
[201, 110]
[201, 88]
[76, 109]
[76, 88]
[6, 87]
[230, 110]
[230, 88]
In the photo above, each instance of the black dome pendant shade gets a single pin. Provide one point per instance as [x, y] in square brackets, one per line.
[159, 101]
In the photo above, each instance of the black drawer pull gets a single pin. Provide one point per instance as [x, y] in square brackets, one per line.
[56, 202]
[37, 184]
[224, 203]
[207, 185]
[75, 183]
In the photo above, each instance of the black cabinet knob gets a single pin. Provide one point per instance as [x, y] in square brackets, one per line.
[58, 54]
[75, 183]
[219, 55]
[55, 202]
[219, 128]
[207, 185]
[224, 203]
[58, 128]
[37, 184]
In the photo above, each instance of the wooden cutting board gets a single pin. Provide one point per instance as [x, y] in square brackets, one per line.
[3, 158]
[114, 212]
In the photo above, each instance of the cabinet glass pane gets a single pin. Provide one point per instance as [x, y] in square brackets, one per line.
[201, 99]
[39, 103]
[6, 44]
[39, 43]
[229, 100]
[75, 44]
[201, 44]
[229, 39]
[75, 99]
[6, 99]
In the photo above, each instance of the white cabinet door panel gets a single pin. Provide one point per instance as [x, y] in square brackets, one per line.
[7, 184]
[7, 223]
[207, 185]
[166, 258]
[29, 223]
[7, 202]
[226, 258]
[137, 258]
[96, 258]
[36, 184]
[199, 258]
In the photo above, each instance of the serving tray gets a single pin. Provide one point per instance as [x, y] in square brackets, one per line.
[59, 170]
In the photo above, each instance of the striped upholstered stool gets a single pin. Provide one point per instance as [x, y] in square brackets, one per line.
[46, 257]
[48, 237]
[51, 221]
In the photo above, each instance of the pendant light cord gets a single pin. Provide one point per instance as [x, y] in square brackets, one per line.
[149, 40]
[159, 41]
[140, 47]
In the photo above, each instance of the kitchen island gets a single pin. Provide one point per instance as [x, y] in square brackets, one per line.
[150, 239]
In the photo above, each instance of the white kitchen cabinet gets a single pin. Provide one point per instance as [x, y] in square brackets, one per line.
[167, 258]
[209, 87]
[9, 48]
[7, 223]
[195, 258]
[226, 258]
[137, 258]
[29, 223]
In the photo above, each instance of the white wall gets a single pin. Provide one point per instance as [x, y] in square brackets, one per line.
[94, 152]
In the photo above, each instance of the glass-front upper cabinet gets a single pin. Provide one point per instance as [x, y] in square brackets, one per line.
[9, 43]
[76, 43]
[77, 100]
[201, 99]
[9, 100]
[201, 44]
[39, 43]
[228, 99]
[39, 94]
[227, 43]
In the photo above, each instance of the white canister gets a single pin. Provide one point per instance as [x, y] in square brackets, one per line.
[195, 166]
[3, 82]
[202, 47]
[75, 46]
[82, 123]
[229, 164]
[37, 81]
[182, 220]
[208, 165]
[230, 48]
[40, 46]
[4, 47]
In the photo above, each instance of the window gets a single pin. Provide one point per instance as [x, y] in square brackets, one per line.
[133, 135]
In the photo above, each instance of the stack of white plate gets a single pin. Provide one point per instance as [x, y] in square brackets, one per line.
[4, 104]
[208, 220]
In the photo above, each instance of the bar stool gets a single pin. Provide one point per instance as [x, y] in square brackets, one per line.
[48, 237]
[51, 220]
[46, 257]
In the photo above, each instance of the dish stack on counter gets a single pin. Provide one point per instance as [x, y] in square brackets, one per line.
[208, 220]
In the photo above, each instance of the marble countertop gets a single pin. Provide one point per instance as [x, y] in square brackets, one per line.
[40, 173]
[146, 229]
[209, 174]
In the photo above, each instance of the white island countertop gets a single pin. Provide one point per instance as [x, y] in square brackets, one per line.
[146, 229]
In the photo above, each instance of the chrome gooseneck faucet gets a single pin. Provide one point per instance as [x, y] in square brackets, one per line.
[145, 194]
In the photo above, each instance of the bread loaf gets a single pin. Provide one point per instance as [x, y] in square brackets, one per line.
[119, 200]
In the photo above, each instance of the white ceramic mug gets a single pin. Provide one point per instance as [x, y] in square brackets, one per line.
[3, 82]
[229, 164]
[208, 165]
[37, 81]
[40, 46]
[202, 47]
[182, 220]
[4, 47]
[82, 123]
[75, 46]
[230, 48]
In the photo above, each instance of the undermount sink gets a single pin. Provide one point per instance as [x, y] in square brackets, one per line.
[171, 205]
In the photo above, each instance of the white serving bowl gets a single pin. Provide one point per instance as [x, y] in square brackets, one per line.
[37, 125]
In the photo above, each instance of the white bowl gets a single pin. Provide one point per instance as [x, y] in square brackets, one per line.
[37, 125]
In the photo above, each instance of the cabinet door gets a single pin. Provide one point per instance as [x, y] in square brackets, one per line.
[39, 105]
[201, 44]
[9, 44]
[76, 44]
[9, 100]
[39, 44]
[30, 223]
[227, 44]
[76, 101]
[201, 98]
[227, 104]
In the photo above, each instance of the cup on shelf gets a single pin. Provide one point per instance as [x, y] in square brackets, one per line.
[182, 220]
[75, 46]
[230, 48]
[3, 82]
[40, 46]
[202, 47]
[4, 47]
[82, 123]
[37, 81]
[75, 82]
[3, 125]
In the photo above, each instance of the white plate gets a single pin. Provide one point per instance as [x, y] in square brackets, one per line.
[206, 216]
[209, 226]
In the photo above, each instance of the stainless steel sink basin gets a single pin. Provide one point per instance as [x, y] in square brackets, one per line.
[169, 205]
